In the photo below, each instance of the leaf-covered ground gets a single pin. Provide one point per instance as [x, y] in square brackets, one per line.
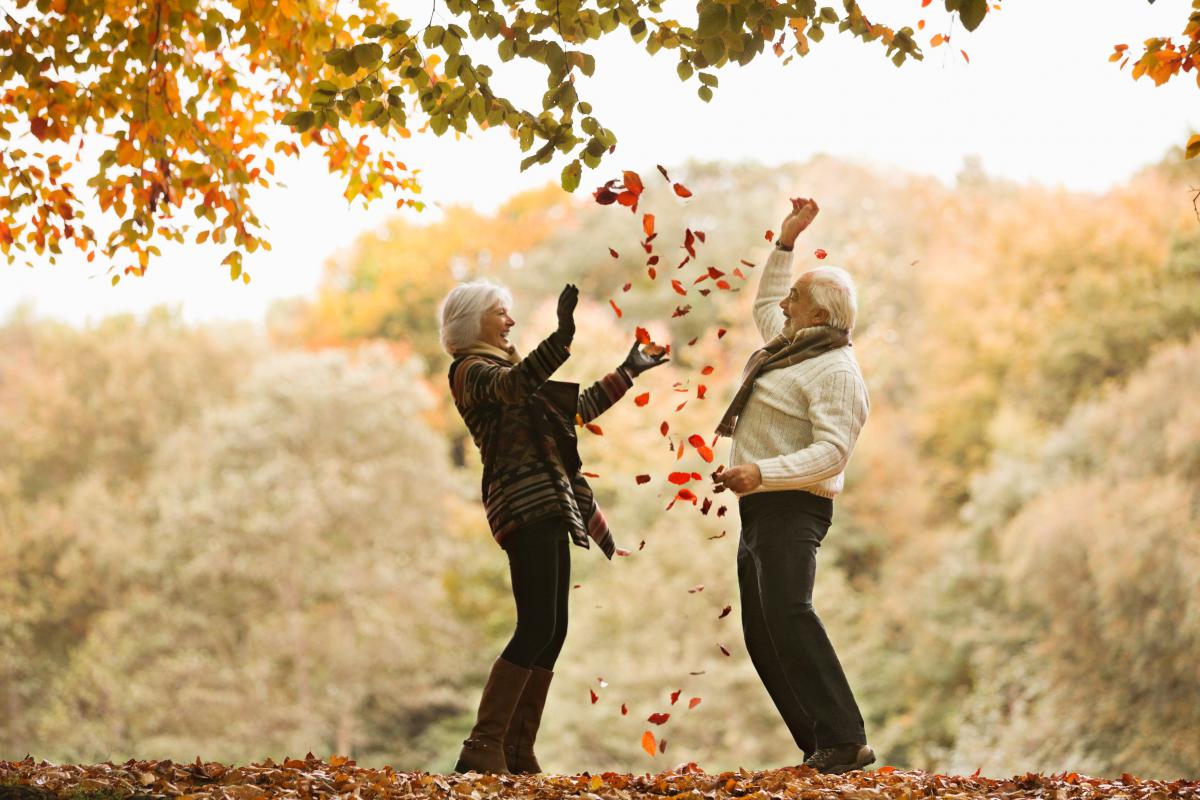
[339, 777]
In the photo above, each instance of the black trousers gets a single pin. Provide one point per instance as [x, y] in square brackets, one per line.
[777, 566]
[539, 562]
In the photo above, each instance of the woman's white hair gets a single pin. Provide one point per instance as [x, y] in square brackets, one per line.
[832, 289]
[462, 312]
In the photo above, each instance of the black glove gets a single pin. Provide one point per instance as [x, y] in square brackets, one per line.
[566, 310]
[638, 362]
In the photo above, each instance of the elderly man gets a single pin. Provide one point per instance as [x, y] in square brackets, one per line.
[794, 421]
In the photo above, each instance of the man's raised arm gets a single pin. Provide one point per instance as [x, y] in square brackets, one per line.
[776, 280]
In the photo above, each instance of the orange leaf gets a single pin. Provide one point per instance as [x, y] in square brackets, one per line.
[937, 40]
[643, 336]
[642, 399]
[708, 370]
[682, 190]
[769, 235]
[633, 182]
[695, 701]
[819, 253]
[648, 743]
[648, 224]
[594, 428]
[679, 478]
[615, 308]
[966, 57]
[678, 287]
[886, 769]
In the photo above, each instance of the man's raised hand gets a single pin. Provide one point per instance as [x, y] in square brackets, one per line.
[804, 211]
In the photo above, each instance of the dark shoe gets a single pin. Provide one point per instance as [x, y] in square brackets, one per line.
[483, 750]
[839, 759]
[522, 730]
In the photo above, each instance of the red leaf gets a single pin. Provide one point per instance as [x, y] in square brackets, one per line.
[721, 511]
[615, 308]
[769, 235]
[966, 57]
[627, 199]
[693, 341]
[819, 253]
[648, 224]
[613, 253]
[720, 535]
[701, 390]
[642, 546]
[642, 479]
[663, 170]
[747, 263]
[648, 743]
[705, 506]
[695, 701]
[679, 478]
[713, 272]
[652, 273]
[684, 262]
[699, 587]
[658, 719]
[664, 428]
[682, 190]
[675, 695]
[723, 285]
[594, 428]
[721, 332]
[624, 709]
[678, 287]
[689, 241]
[923, 4]
[681, 310]
[591, 475]
[625, 288]
[595, 696]
[708, 370]
[642, 335]
[651, 261]
[886, 769]
[724, 649]
[738, 271]
[633, 182]
[696, 476]
[725, 612]
[621, 551]
[662, 746]
[696, 440]
[700, 236]
[605, 196]
[642, 399]
[679, 407]
[705, 452]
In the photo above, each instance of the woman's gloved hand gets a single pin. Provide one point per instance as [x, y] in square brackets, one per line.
[638, 362]
[566, 310]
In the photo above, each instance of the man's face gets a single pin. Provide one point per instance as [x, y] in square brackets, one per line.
[495, 325]
[798, 309]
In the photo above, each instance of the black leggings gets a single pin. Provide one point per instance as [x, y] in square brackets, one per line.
[539, 560]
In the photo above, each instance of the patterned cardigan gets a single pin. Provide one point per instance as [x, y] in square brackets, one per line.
[524, 426]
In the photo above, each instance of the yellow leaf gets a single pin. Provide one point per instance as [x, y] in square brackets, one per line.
[1193, 147]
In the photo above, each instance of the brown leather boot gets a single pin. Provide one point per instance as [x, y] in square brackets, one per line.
[522, 730]
[483, 750]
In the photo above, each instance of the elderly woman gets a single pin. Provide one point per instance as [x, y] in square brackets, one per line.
[534, 493]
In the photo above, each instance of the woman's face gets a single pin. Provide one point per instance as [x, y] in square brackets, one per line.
[495, 325]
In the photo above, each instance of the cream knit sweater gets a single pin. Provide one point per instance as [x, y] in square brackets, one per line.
[801, 422]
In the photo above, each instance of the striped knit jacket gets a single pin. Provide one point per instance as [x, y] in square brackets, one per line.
[524, 426]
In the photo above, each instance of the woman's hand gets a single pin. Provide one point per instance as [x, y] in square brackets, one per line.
[638, 362]
[566, 309]
[804, 211]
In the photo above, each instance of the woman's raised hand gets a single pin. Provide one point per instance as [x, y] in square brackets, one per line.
[566, 309]
[638, 362]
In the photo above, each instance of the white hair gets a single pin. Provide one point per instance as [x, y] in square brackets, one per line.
[832, 289]
[462, 312]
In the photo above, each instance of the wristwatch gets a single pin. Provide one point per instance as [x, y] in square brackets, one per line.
[779, 245]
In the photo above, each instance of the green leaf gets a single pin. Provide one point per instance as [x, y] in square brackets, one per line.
[372, 110]
[366, 55]
[972, 13]
[708, 79]
[713, 20]
[684, 70]
[713, 50]
[327, 86]
[304, 121]
[374, 31]
[705, 93]
[571, 174]
[828, 14]
[438, 123]
[585, 108]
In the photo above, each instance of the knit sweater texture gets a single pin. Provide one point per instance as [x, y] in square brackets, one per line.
[801, 422]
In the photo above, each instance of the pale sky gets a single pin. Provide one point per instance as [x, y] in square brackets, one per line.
[1038, 102]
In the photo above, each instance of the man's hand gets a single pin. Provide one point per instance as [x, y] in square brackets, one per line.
[804, 211]
[740, 479]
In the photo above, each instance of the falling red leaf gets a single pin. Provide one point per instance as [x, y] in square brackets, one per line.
[642, 335]
[708, 369]
[658, 718]
[591, 475]
[701, 390]
[925, 3]
[624, 709]
[725, 612]
[706, 506]
[642, 399]
[819, 253]
[679, 407]
[613, 253]
[721, 512]
[966, 57]
[633, 181]
[721, 332]
[678, 287]
[769, 235]
[738, 271]
[605, 196]
[594, 428]
[724, 649]
[686, 259]
[621, 551]
[675, 695]
[705, 292]
[696, 440]
[695, 701]
[747, 263]
[662, 746]
[679, 478]
[628, 199]
[664, 428]
[689, 242]
[642, 546]
[642, 479]
[648, 224]
[648, 743]
[681, 310]
[705, 452]
[651, 261]
[699, 587]
[663, 170]
[615, 307]
[693, 341]
[713, 272]
[723, 285]
[652, 273]
[700, 236]
[595, 696]
[682, 190]
[720, 535]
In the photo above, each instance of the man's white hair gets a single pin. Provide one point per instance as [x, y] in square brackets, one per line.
[832, 289]
[463, 309]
